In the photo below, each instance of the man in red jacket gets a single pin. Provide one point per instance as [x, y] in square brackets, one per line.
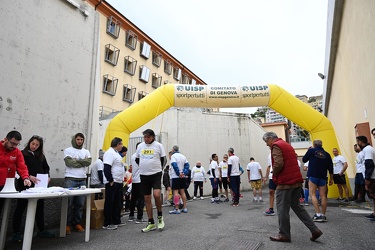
[288, 177]
[11, 159]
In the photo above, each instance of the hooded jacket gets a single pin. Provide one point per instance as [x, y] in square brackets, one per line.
[76, 160]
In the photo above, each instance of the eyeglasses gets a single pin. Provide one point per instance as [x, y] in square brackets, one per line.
[15, 144]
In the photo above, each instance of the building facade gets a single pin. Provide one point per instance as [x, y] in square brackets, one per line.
[132, 64]
[349, 75]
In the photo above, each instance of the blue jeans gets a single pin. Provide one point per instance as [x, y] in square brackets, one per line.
[75, 203]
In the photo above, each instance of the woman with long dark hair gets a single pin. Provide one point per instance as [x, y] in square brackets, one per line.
[37, 164]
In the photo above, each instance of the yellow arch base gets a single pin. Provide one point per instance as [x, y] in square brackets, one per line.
[180, 95]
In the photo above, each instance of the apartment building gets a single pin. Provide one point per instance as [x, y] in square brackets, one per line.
[132, 64]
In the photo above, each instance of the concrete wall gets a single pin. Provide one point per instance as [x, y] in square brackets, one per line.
[353, 89]
[48, 63]
[200, 134]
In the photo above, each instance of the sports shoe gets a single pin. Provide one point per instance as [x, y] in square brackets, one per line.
[121, 224]
[131, 218]
[140, 221]
[260, 200]
[202, 198]
[160, 223]
[306, 204]
[226, 200]
[324, 218]
[222, 196]
[269, 212]
[68, 231]
[184, 210]
[255, 200]
[17, 237]
[45, 234]
[370, 216]
[175, 211]
[150, 227]
[110, 227]
[194, 198]
[79, 228]
[235, 204]
[317, 218]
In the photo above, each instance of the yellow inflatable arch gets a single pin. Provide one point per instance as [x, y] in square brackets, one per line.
[180, 95]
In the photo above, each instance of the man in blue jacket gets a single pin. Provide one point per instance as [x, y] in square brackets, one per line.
[319, 163]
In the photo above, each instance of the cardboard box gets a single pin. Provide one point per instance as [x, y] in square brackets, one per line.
[99, 195]
[97, 215]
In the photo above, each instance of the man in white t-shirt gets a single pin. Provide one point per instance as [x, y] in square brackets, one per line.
[179, 170]
[359, 181]
[114, 173]
[76, 159]
[223, 176]
[214, 178]
[255, 176]
[97, 169]
[151, 159]
[369, 155]
[339, 167]
[234, 176]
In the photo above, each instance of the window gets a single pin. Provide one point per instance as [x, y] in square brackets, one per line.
[176, 73]
[131, 39]
[144, 73]
[145, 50]
[185, 79]
[113, 27]
[111, 54]
[156, 58]
[130, 65]
[193, 82]
[167, 67]
[156, 80]
[129, 93]
[141, 95]
[110, 84]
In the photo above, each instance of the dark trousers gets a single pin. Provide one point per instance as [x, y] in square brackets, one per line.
[112, 204]
[20, 209]
[137, 200]
[286, 199]
[235, 182]
[215, 187]
[359, 189]
[200, 185]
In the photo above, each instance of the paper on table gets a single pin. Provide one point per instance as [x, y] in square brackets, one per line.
[43, 180]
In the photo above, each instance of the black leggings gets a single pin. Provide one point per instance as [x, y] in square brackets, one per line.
[200, 185]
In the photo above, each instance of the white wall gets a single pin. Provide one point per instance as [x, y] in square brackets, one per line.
[199, 134]
[48, 63]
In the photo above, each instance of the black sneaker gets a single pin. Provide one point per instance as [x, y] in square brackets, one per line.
[45, 234]
[370, 216]
[17, 237]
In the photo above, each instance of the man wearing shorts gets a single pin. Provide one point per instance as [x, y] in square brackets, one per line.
[223, 175]
[180, 168]
[320, 162]
[151, 159]
[339, 167]
[271, 186]
[255, 176]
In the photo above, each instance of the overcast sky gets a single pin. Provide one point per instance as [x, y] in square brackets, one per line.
[240, 42]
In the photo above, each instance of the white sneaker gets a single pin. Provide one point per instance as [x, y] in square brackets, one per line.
[194, 198]
[202, 198]
[255, 200]
[110, 227]
[260, 199]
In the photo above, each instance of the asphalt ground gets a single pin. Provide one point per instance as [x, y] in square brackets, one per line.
[221, 226]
